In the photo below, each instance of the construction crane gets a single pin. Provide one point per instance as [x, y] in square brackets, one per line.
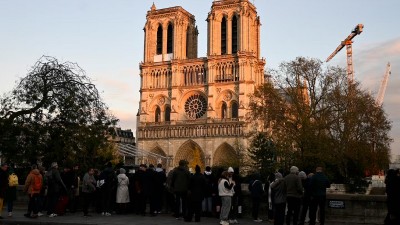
[382, 88]
[347, 42]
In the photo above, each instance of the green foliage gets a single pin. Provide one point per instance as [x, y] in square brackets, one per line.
[262, 151]
[54, 113]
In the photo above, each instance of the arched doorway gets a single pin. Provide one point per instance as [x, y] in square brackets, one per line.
[226, 156]
[156, 160]
[191, 152]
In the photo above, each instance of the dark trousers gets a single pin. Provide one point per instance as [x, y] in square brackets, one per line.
[180, 197]
[194, 208]
[304, 208]
[293, 209]
[317, 201]
[106, 200]
[234, 208]
[52, 200]
[141, 203]
[87, 200]
[33, 205]
[256, 207]
[279, 213]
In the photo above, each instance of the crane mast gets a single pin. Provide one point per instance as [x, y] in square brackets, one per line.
[349, 51]
[382, 88]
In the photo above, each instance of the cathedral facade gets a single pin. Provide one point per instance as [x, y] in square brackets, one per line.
[191, 107]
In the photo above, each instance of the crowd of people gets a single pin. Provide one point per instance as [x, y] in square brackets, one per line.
[188, 196]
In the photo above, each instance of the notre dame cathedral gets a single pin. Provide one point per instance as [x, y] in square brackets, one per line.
[192, 107]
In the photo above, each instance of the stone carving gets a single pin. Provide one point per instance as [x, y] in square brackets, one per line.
[161, 101]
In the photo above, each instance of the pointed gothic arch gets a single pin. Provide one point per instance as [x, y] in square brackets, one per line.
[159, 39]
[152, 160]
[191, 152]
[170, 38]
[225, 155]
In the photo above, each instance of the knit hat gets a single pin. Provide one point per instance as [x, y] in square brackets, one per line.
[230, 170]
[302, 175]
[54, 164]
[122, 171]
[278, 175]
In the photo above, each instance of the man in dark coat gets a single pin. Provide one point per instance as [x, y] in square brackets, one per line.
[159, 188]
[318, 185]
[180, 185]
[3, 185]
[256, 191]
[55, 187]
[197, 188]
[108, 189]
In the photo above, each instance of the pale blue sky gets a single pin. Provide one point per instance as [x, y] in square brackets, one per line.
[106, 39]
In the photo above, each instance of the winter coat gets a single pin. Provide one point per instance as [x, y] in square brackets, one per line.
[55, 183]
[180, 179]
[30, 181]
[197, 187]
[88, 184]
[122, 189]
[225, 188]
[294, 188]
[278, 188]
[3, 183]
[210, 182]
[256, 189]
[319, 183]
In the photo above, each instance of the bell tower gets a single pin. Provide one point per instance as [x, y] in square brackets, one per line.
[169, 33]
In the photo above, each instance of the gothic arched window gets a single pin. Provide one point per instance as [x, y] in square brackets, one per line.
[223, 36]
[234, 34]
[157, 115]
[170, 38]
[235, 110]
[223, 111]
[159, 40]
[168, 113]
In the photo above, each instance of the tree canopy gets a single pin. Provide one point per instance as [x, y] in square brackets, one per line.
[55, 113]
[316, 117]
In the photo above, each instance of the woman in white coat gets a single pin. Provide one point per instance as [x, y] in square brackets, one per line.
[122, 197]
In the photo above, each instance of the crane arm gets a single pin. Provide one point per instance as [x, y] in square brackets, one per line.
[382, 89]
[357, 30]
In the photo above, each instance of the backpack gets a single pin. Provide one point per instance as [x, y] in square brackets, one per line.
[37, 183]
[12, 180]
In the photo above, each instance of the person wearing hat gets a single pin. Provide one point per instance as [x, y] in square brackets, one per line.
[3, 185]
[55, 187]
[294, 193]
[278, 188]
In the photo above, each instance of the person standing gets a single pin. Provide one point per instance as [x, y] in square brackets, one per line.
[237, 198]
[33, 186]
[3, 185]
[88, 190]
[271, 178]
[197, 188]
[56, 186]
[225, 189]
[11, 192]
[159, 187]
[278, 188]
[306, 198]
[318, 185]
[209, 193]
[122, 197]
[180, 184]
[294, 193]
[107, 190]
[256, 192]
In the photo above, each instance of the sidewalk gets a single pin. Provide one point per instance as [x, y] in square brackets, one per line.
[97, 219]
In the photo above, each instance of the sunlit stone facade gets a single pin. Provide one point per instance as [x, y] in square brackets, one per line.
[194, 108]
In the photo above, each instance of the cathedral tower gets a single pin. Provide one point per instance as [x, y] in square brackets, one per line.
[194, 108]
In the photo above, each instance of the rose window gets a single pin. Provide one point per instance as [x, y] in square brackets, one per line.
[195, 106]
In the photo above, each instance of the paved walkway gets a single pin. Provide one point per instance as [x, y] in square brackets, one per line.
[97, 219]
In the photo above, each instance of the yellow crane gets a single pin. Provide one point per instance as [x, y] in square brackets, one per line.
[347, 42]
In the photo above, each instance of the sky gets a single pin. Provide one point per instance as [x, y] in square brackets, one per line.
[106, 39]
